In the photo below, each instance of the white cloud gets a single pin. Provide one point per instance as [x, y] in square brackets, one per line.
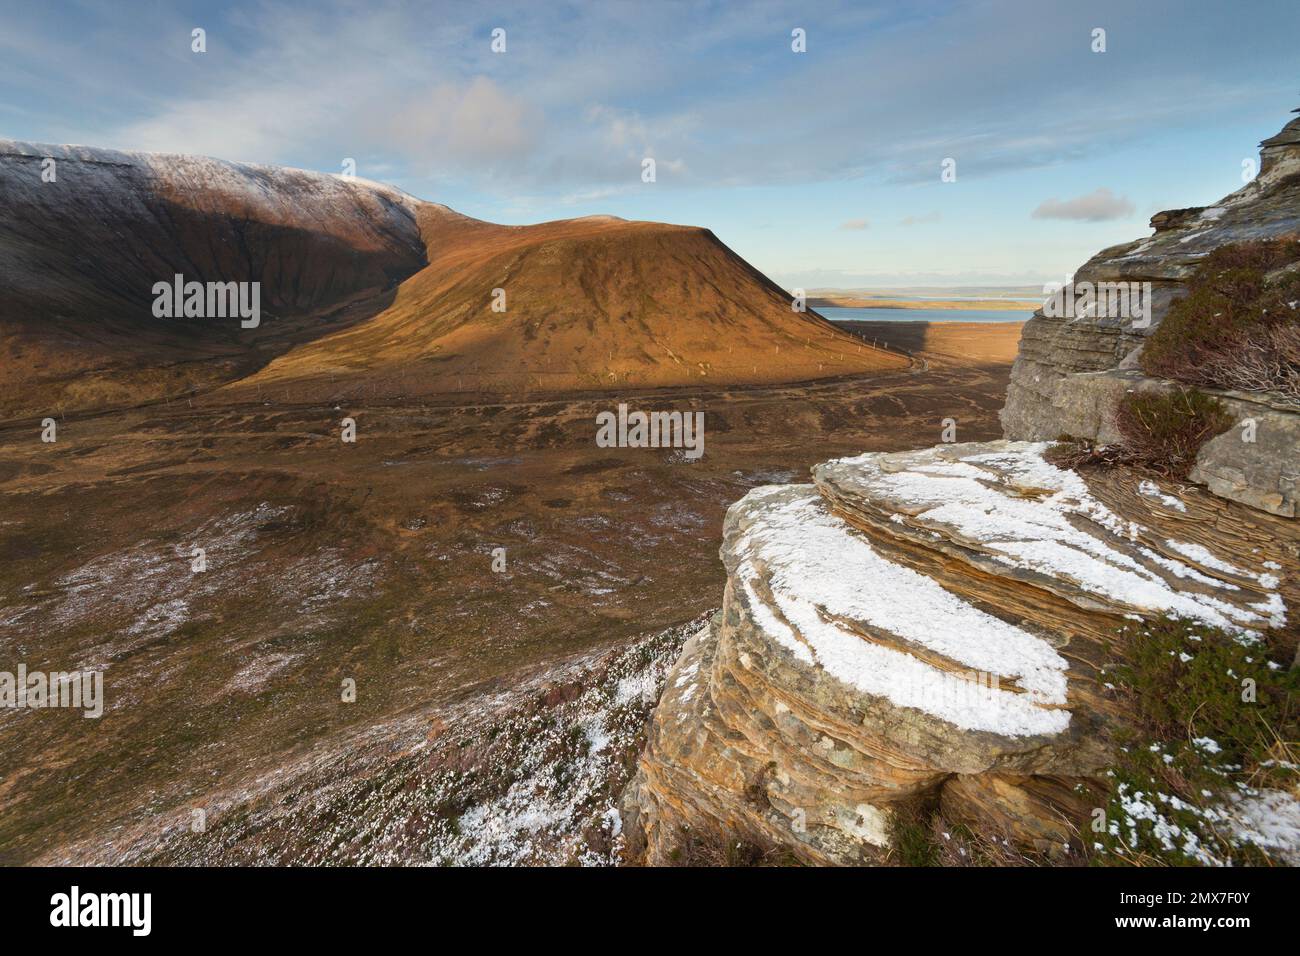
[575, 100]
[462, 124]
[922, 219]
[854, 224]
[1099, 205]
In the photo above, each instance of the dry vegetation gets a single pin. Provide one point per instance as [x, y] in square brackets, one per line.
[1161, 432]
[712, 848]
[1165, 430]
[1215, 724]
[329, 560]
[1239, 325]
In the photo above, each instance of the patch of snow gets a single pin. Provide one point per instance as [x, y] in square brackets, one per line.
[819, 567]
[1025, 512]
[1152, 490]
[1269, 819]
[255, 676]
[634, 687]
[1204, 557]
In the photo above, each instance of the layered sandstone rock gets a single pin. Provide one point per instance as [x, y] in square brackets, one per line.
[928, 627]
[1071, 365]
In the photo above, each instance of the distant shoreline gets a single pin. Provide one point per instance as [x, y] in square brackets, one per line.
[953, 323]
[958, 305]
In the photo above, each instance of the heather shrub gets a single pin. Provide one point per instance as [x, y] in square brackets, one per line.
[921, 837]
[1163, 431]
[713, 848]
[1213, 719]
[1238, 327]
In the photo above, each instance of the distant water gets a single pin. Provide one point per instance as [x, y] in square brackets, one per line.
[837, 314]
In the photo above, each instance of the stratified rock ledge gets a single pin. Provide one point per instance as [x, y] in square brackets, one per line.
[921, 626]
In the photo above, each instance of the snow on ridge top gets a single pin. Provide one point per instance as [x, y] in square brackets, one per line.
[815, 564]
[1017, 507]
[215, 172]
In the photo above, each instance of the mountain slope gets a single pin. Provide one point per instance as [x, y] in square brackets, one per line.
[79, 257]
[589, 303]
[364, 291]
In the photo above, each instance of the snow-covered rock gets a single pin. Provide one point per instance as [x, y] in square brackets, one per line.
[921, 626]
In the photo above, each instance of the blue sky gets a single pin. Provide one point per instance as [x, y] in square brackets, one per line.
[822, 168]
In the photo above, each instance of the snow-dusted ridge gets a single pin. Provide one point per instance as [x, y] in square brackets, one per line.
[213, 173]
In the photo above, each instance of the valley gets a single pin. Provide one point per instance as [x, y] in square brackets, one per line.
[328, 561]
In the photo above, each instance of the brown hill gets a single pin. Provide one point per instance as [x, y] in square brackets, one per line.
[365, 291]
[589, 303]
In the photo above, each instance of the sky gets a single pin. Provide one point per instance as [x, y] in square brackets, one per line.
[823, 167]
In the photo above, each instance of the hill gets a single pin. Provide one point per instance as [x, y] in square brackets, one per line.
[364, 291]
[82, 246]
[588, 304]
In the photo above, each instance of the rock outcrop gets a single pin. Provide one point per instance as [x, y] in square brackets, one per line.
[1071, 366]
[927, 627]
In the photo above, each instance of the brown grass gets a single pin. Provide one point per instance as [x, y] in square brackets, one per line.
[922, 836]
[699, 847]
[591, 304]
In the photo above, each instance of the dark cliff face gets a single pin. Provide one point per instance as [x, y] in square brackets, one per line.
[80, 254]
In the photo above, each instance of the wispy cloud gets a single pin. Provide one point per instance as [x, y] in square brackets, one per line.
[922, 219]
[583, 92]
[1097, 206]
[749, 137]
